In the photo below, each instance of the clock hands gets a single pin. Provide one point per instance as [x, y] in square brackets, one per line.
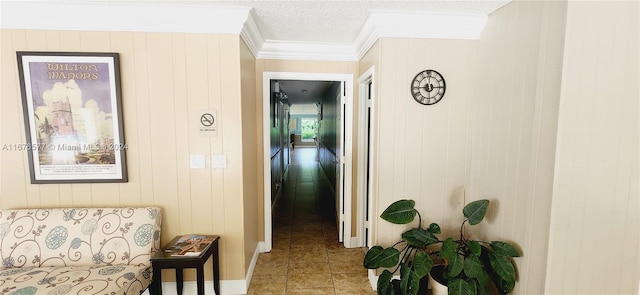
[429, 87]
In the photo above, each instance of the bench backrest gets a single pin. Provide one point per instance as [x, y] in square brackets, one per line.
[79, 236]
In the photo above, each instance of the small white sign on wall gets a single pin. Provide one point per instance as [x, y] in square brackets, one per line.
[208, 123]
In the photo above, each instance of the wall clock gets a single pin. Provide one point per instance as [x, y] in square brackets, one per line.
[428, 87]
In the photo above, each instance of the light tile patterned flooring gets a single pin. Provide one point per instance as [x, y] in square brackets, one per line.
[307, 257]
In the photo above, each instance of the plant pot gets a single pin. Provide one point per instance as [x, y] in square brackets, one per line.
[423, 290]
[436, 281]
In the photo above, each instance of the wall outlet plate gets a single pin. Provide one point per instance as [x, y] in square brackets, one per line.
[218, 161]
[197, 162]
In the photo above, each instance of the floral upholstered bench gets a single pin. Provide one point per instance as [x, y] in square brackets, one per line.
[78, 250]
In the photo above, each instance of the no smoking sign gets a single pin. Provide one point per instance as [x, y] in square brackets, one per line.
[208, 123]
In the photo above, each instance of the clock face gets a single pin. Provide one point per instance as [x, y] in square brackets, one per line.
[428, 87]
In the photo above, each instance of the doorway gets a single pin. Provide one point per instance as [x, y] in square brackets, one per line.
[343, 158]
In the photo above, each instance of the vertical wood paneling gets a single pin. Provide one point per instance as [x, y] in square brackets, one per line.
[422, 149]
[161, 125]
[596, 183]
[521, 51]
[200, 217]
[142, 142]
[122, 42]
[232, 148]
[167, 80]
[13, 177]
[181, 110]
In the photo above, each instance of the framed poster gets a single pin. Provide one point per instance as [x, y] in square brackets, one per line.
[73, 116]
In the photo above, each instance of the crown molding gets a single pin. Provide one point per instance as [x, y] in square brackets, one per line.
[251, 34]
[130, 17]
[202, 18]
[273, 49]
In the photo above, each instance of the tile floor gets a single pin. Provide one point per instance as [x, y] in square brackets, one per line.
[307, 257]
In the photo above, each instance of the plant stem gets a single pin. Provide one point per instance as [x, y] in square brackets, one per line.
[419, 219]
[403, 257]
[462, 230]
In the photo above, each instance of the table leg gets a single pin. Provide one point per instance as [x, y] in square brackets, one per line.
[156, 282]
[179, 280]
[200, 274]
[216, 269]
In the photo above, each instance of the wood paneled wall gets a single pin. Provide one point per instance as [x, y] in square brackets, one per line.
[523, 124]
[421, 152]
[513, 135]
[167, 80]
[595, 233]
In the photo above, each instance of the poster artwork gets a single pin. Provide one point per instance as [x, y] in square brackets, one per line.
[72, 107]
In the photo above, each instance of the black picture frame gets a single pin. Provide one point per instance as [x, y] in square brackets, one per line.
[72, 107]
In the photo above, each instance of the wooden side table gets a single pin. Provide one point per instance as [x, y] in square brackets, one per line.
[169, 257]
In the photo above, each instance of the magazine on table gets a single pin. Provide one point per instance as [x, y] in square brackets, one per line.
[189, 245]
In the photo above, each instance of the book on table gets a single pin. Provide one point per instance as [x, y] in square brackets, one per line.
[189, 245]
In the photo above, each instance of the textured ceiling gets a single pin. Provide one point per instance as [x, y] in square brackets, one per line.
[333, 21]
[341, 21]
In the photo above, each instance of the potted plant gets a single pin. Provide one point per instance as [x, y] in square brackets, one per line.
[468, 266]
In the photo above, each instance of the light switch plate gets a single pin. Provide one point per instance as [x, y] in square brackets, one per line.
[197, 162]
[218, 161]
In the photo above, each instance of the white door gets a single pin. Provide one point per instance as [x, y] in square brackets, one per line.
[342, 205]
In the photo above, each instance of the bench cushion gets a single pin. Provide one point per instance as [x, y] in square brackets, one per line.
[99, 279]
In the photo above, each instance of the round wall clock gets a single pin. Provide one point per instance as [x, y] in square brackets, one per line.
[428, 87]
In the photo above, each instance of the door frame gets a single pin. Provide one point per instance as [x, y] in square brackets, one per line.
[361, 224]
[266, 139]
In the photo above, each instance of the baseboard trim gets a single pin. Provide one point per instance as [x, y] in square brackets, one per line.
[227, 287]
[373, 279]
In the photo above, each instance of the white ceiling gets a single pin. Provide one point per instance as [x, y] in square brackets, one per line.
[341, 21]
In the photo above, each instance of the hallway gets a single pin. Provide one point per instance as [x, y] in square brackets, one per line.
[307, 257]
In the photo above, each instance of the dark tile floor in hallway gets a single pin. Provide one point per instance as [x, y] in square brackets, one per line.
[307, 257]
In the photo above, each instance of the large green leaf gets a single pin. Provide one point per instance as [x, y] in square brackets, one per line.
[504, 287]
[504, 249]
[405, 276]
[474, 247]
[448, 249]
[460, 287]
[456, 264]
[478, 288]
[483, 277]
[475, 211]
[400, 212]
[378, 257]
[419, 238]
[384, 283]
[503, 266]
[414, 283]
[422, 264]
[472, 266]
